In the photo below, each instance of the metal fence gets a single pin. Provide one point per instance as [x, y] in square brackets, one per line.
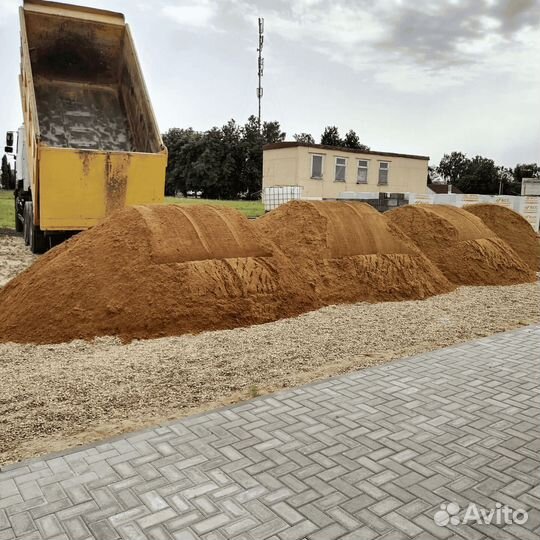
[528, 207]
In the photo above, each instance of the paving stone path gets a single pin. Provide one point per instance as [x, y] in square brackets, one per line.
[373, 454]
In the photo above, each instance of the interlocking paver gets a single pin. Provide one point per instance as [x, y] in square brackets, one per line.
[372, 454]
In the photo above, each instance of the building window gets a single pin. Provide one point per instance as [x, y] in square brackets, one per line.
[341, 169]
[384, 166]
[316, 166]
[361, 175]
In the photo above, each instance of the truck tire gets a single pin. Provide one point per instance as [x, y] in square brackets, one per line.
[18, 223]
[26, 224]
[36, 237]
[38, 240]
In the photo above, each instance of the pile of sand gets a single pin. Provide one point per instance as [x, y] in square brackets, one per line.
[349, 252]
[153, 271]
[461, 245]
[513, 228]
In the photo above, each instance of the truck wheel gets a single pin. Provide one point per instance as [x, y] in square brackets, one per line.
[38, 242]
[36, 237]
[26, 223]
[18, 223]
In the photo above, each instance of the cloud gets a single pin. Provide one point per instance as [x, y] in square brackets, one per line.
[413, 46]
[436, 36]
[516, 14]
[198, 14]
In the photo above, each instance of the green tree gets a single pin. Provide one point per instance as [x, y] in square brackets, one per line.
[305, 138]
[480, 176]
[526, 170]
[216, 163]
[223, 163]
[252, 143]
[179, 143]
[476, 175]
[206, 157]
[7, 176]
[232, 161]
[330, 136]
[271, 132]
[453, 166]
[352, 140]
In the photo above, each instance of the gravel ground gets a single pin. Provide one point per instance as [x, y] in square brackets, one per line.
[14, 257]
[56, 396]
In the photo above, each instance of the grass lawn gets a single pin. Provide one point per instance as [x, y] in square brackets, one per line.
[249, 208]
[7, 210]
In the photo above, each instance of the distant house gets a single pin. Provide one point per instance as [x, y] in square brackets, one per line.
[326, 172]
[443, 188]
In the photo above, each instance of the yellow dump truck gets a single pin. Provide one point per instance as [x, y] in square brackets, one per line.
[90, 143]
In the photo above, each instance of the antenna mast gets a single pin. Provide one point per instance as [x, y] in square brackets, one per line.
[261, 66]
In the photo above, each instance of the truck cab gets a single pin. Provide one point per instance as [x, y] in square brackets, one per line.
[15, 144]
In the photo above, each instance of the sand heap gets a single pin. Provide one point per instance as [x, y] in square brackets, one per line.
[153, 271]
[349, 252]
[513, 228]
[466, 250]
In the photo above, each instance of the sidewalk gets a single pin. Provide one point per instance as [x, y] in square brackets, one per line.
[373, 454]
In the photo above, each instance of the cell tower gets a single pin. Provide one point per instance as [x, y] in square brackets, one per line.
[261, 66]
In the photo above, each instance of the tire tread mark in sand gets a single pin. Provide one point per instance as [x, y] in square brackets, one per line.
[233, 232]
[197, 230]
[156, 230]
[227, 225]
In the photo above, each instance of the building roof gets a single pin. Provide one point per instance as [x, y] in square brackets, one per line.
[443, 188]
[291, 144]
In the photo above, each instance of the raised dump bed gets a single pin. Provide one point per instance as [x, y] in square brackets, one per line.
[92, 141]
[88, 88]
[461, 245]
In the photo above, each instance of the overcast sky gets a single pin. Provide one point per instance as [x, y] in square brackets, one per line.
[417, 76]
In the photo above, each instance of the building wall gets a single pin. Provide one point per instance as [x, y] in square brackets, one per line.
[292, 167]
[530, 186]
